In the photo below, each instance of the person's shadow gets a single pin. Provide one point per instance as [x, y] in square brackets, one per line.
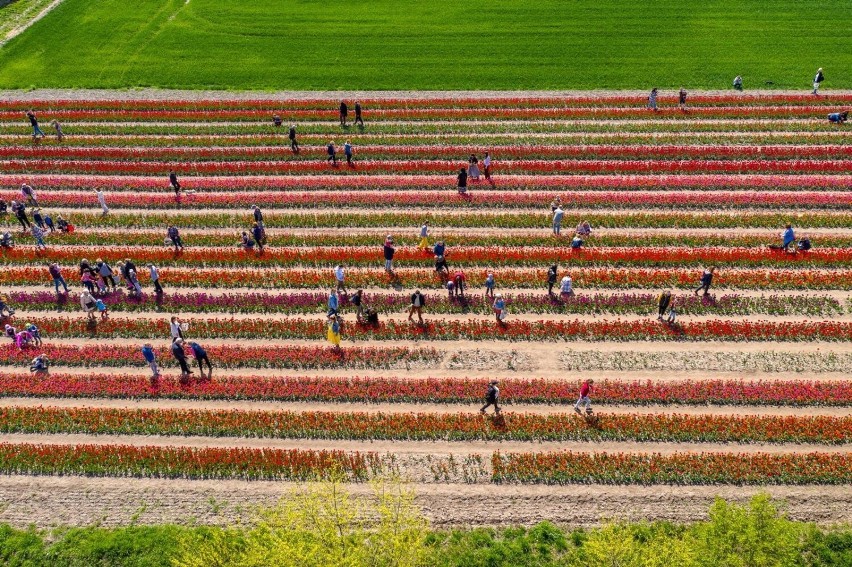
[498, 421]
[92, 326]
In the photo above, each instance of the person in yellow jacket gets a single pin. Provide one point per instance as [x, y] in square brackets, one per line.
[334, 330]
[424, 236]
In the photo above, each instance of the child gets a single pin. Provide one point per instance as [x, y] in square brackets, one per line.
[672, 315]
[102, 288]
[102, 308]
[87, 280]
[10, 332]
[499, 308]
[489, 285]
[450, 288]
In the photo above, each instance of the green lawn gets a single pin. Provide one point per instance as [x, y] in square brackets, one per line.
[433, 44]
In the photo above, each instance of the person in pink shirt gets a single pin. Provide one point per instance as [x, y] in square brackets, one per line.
[23, 339]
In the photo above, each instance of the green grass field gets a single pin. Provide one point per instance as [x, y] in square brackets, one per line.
[433, 44]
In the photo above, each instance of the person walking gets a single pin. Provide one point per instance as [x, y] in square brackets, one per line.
[557, 220]
[358, 118]
[34, 123]
[106, 273]
[339, 276]
[566, 288]
[332, 154]
[38, 219]
[489, 285]
[173, 181]
[102, 201]
[294, 144]
[20, 211]
[681, 98]
[333, 333]
[663, 301]
[201, 357]
[28, 194]
[347, 151]
[462, 181]
[499, 307]
[652, 100]
[424, 236]
[88, 303]
[486, 168]
[174, 235]
[48, 222]
[56, 274]
[585, 400]
[333, 303]
[818, 79]
[552, 274]
[418, 302]
[389, 251]
[175, 328]
[491, 397]
[58, 127]
[357, 301]
[257, 214]
[155, 278]
[134, 283]
[344, 112]
[151, 358]
[38, 236]
[706, 280]
[179, 355]
[257, 233]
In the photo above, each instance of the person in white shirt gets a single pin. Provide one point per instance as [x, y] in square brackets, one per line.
[155, 278]
[102, 201]
[565, 287]
[557, 220]
[339, 276]
[175, 329]
[486, 164]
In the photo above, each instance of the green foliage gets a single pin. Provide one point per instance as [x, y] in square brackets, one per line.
[440, 44]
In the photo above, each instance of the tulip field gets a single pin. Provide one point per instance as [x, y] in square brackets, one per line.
[748, 390]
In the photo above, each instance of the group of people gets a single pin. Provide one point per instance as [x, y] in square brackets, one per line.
[492, 397]
[331, 150]
[258, 232]
[583, 230]
[178, 352]
[41, 223]
[473, 173]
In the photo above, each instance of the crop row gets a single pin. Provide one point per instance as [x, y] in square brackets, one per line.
[550, 468]
[586, 278]
[505, 153]
[549, 183]
[427, 426]
[542, 238]
[431, 390]
[427, 199]
[453, 330]
[418, 167]
[330, 104]
[677, 468]
[411, 221]
[275, 357]
[492, 256]
[316, 302]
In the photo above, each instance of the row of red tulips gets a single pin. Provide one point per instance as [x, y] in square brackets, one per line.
[431, 390]
[427, 426]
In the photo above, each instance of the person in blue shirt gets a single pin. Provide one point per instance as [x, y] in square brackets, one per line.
[499, 308]
[151, 359]
[200, 357]
[333, 303]
[257, 232]
[347, 151]
[332, 154]
[789, 238]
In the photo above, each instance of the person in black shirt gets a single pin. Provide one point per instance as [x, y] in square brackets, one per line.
[173, 181]
[552, 273]
[344, 111]
[358, 119]
[491, 398]
[462, 181]
[277, 120]
[418, 302]
[332, 154]
[294, 145]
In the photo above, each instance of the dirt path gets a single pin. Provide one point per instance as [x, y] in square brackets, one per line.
[49, 501]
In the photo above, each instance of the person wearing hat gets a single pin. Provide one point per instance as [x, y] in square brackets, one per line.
[491, 398]
[389, 251]
[819, 78]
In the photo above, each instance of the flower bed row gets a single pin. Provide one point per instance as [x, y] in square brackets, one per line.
[407, 167]
[274, 357]
[427, 199]
[328, 104]
[315, 302]
[677, 468]
[431, 390]
[184, 462]
[453, 330]
[549, 183]
[492, 256]
[427, 426]
[284, 238]
[604, 278]
[411, 221]
[506, 154]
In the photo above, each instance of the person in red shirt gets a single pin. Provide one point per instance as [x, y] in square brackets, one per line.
[585, 391]
[460, 282]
